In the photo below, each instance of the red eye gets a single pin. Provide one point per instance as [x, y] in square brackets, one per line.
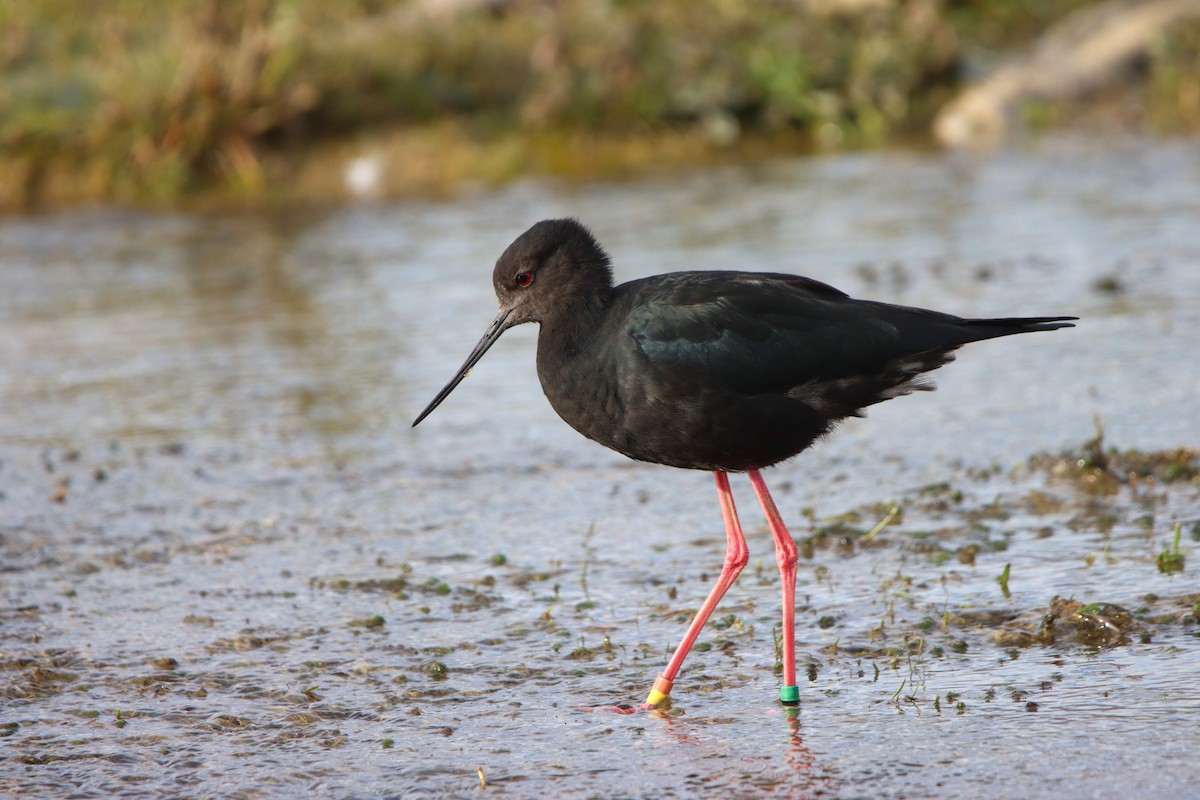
[523, 279]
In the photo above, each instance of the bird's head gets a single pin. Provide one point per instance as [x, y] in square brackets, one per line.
[555, 267]
[555, 271]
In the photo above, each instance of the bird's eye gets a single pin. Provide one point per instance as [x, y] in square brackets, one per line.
[523, 279]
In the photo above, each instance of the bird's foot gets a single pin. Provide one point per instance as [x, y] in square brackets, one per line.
[623, 708]
[657, 698]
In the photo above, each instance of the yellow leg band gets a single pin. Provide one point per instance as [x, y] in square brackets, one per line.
[661, 691]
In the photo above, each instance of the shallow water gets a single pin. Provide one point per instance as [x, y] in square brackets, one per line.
[230, 568]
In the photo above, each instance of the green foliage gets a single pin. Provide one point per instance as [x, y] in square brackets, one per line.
[147, 99]
[155, 99]
[1171, 559]
[1003, 24]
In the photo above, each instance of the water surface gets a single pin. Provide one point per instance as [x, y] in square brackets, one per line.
[230, 568]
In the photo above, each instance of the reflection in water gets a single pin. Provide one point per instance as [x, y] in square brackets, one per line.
[254, 301]
[809, 782]
[212, 329]
[701, 749]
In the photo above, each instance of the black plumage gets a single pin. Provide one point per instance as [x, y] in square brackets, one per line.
[713, 370]
[721, 371]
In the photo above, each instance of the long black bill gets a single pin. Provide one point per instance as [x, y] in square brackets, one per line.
[489, 338]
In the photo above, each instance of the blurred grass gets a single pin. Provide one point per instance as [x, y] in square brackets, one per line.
[1007, 24]
[155, 100]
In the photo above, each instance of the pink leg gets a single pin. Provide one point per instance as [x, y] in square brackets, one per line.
[736, 556]
[787, 555]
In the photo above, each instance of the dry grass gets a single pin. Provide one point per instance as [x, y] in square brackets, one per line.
[155, 100]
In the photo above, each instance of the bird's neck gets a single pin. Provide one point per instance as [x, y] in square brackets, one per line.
[570, 330]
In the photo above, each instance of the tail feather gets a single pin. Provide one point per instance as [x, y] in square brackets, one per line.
[930, 339]
[1007, 326]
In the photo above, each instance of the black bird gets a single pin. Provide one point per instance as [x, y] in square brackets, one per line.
[720, 371]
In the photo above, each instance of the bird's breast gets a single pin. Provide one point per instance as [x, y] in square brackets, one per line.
[607, 388]
[588, 390]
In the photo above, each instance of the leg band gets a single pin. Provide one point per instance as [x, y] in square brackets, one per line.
[660, 692]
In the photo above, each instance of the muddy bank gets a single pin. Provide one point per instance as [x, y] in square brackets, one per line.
[273, 102]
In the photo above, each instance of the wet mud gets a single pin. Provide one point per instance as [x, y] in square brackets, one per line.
[229, 568]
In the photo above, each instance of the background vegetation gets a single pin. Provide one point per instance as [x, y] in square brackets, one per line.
[155, 100]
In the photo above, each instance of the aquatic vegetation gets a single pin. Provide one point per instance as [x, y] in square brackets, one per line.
[1171, 559]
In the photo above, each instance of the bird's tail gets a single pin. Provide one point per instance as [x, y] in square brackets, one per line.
[1007, 326]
